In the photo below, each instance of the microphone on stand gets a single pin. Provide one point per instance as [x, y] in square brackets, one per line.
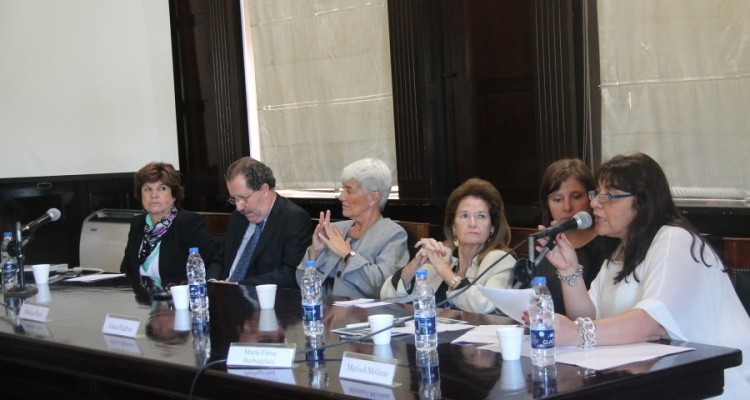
[51, 215]
[582, 220]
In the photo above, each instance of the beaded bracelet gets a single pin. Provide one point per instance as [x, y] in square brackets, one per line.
[572, 278]
[587, 332]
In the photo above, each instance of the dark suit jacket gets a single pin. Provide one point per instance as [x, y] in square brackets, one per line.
[285, 237]
[187, 230]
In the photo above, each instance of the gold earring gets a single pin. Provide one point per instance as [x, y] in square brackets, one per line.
[455, 239]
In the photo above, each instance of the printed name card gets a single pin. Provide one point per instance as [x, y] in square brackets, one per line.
[33, 312]
[121, 325]
[257, 355]
[366, 368]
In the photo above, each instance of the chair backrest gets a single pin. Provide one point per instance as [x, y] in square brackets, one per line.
[414, 232]
[518, 235]
[737, 262]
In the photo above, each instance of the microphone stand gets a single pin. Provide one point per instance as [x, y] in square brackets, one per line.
[532, 249]
[21, 290]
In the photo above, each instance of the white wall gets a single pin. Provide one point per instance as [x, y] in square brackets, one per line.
[86, 87]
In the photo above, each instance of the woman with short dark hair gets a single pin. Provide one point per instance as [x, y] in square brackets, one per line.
[159, 241]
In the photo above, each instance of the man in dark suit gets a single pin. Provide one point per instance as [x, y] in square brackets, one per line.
[267, 234]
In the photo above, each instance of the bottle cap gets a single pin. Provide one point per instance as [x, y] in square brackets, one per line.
[7, 234]
[538, 280]
[193, 250]
[310, 264]
[421, 273]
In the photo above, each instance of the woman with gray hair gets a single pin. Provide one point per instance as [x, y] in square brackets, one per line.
[354, 257]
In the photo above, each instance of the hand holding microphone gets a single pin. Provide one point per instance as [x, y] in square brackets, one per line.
[582, 220]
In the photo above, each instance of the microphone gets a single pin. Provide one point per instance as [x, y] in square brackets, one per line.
[52, 214]
[582, 220]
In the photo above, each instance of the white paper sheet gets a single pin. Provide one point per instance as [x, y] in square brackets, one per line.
[480, 334]
[349, 303]
[94, 278]
[602, 357]
[441, 327]
[513, 302]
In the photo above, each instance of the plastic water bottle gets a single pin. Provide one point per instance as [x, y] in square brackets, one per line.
[9, 264]
[196, 274]
[541, 324]
[4, 256]
[425, 328]
[312, 301]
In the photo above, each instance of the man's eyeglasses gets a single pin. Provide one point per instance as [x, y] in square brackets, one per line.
[605, 198]
[240, 199]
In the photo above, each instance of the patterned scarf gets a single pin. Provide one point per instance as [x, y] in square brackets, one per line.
[152, 234]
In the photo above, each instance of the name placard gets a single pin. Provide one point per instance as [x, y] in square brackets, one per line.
[33, 312]
[121, 325]
[366, 368]
[257, 355]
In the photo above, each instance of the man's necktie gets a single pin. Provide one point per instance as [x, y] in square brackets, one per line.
[244, 263]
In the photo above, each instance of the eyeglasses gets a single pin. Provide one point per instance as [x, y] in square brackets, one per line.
[240, 199]
[605, 198]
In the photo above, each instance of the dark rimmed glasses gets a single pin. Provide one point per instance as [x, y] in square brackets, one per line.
[605, 198]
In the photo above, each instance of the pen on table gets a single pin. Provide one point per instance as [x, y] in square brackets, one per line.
[358, 325]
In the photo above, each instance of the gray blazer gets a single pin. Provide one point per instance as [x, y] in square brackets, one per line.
[380, 252]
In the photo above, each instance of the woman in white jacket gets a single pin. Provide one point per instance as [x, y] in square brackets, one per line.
[477, 235]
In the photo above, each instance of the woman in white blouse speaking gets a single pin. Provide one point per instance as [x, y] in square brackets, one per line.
[663, 281]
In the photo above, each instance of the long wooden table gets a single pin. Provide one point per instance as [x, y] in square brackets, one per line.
[68, 356]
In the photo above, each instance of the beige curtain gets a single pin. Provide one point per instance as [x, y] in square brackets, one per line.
[675, 84]
[323, 86]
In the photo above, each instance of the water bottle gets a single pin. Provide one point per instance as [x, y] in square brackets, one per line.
[9, 264]
[312, 301]
[201, 338]
[429, 375]
[541, 324]
[4, 256]
[196, 274]
[425, 328]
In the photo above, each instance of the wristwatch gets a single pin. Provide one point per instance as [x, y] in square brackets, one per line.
[348, 256]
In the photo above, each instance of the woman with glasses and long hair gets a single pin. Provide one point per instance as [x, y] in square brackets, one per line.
[662, 281]
[353, 257]
[563, 194]
[159, 240]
